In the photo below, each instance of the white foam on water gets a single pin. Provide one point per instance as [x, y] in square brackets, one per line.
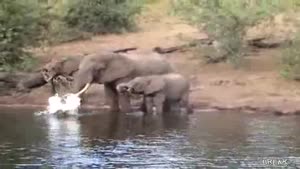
[54, 104]
[68, 103]
[72, 103]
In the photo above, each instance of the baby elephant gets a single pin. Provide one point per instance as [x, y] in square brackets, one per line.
[163, 92]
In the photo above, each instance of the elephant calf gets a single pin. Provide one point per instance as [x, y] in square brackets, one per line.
[162, 92]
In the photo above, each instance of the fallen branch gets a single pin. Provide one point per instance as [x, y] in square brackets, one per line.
[161, 50]
[262, 44]
[172, 49]
[32, 80]
[213, 60]
[124, 50]
[267, 42]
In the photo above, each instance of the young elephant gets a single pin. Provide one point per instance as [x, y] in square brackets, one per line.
[162, 92]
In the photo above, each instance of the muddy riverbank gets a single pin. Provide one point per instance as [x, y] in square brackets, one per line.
[257, 87]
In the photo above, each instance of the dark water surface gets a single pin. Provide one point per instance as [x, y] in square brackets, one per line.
[104, 140]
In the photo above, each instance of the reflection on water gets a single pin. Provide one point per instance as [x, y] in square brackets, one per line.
[106, 140]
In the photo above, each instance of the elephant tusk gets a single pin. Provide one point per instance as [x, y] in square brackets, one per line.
[84, 89]
[119, 88]
[49, 79]
[122, 88]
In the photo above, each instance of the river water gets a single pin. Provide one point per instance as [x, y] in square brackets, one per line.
[106, 140]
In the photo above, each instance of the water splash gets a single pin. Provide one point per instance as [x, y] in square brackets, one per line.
[68, 103]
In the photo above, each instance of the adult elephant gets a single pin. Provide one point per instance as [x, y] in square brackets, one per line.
[112, 69]
[61, 71]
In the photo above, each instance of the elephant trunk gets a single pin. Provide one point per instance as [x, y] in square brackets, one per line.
[48, 78]
[130, 90]
[86, 87]
[122, 88]
[47, 75]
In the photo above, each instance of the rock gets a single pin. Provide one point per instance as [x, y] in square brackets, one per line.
[20, 82]
[30, 81]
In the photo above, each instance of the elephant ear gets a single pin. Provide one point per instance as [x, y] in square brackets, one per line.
[117, 67]
[69, 65]
[154, 84]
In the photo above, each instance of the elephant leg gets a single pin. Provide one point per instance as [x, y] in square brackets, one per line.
[172, 106]
[124, 102]
[148, 101]
[185, 103]
[111, 97]
[166, 107]
[53, 88]
[107, 94]
[143, 105]
[176, 106]
[158, 102]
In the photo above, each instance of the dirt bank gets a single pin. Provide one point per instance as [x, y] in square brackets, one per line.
[257, 87]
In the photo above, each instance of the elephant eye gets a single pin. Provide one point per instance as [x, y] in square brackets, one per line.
[137, 88]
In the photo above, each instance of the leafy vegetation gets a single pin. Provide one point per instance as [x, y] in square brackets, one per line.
[20, 27]
[226, 21]
[291, 60]
[26, 23]
[103, 16]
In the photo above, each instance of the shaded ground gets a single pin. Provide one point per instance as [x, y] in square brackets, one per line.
[257, 87]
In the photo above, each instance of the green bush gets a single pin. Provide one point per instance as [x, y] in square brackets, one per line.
[56, 29]
[290, 60]
[20, 27]
[103, 16]
[26, 23]
[226, 21]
